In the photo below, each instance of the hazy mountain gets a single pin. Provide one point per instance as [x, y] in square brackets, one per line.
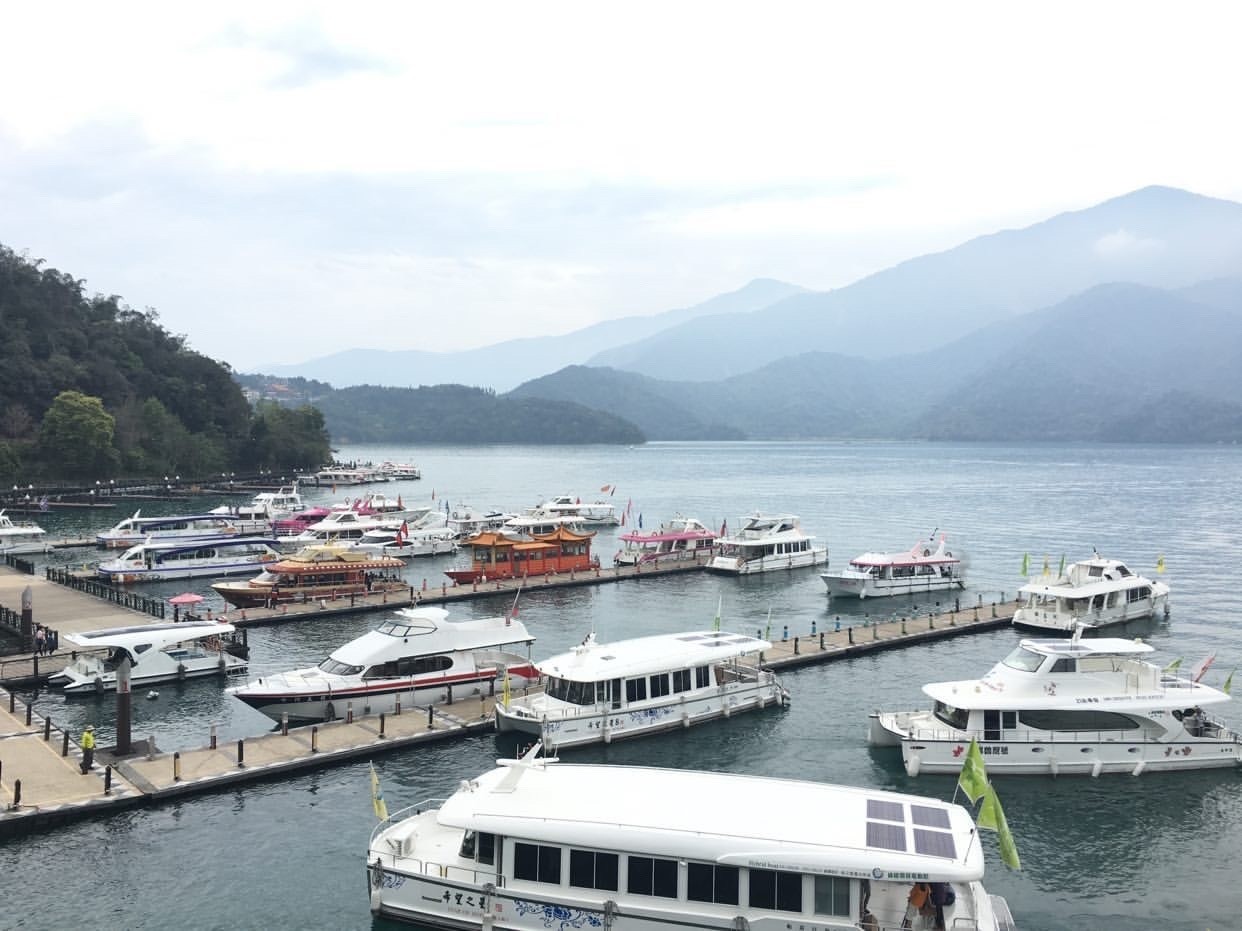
[504, 365]
[1156, 236]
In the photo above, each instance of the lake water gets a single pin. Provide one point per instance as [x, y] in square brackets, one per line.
[1158, 851]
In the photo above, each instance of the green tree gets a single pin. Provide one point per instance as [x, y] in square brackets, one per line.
[75, 440]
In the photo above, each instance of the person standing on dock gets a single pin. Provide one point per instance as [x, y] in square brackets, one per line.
[40, 640]
[88, 749]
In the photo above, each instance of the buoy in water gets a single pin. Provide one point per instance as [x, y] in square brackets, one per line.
[152, 695]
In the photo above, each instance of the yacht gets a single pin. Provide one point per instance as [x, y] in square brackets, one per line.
[766, 543]
[404, 542]
[286, 528]
[266, 505]
[598, 513]
[467, 521]
[675, 540]
[186, 527]
[157, 562]
[1096, 592]
[418, 658]
[21, 537]
[338, 527]
[928, 566]
[539, 844]
[1082, 706]
[157, 652]
[600, 692]
[538, 521]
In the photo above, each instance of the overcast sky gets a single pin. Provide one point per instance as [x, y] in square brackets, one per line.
[280, 181]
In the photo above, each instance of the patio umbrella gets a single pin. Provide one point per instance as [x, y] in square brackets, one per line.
[185, 598]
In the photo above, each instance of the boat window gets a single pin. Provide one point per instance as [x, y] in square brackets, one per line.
[1065, 664]
[142, 648]
[706, 882]
[1095, 571]
[581, 693]
[591, 870]
[1123, 572]
[681, 680]
[954, 717]
[1075, 720]
[832, 895]
[1023, 659]
[1138, 594]
[775, 889]
[334, 668]
[652, 876]
[538, 863]
[635, 690]
[659, 685]
[466, 850]
[702, 677]
[1009, 720]
[381, 671]
[422, 665]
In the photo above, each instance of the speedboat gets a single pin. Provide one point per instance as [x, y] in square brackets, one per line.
[157, 652]
[21, 537]
[156, 562]
[538, 844]
[928, 566]
[600, 692]
[154, 529]
[418, 658]
[1096, 592]
[676, 540]
[338, 527]
[766, 543]
[1082, 706]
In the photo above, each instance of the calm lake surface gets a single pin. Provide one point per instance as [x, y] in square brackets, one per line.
[1158, 851]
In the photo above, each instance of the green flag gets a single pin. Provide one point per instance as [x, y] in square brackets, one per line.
[1173, 666]
[1061, 568]
[1228, 683]
[767, 634]
[1026, 563]
[974, 778]
[1047, 570]
[719, 604]
[992, 816]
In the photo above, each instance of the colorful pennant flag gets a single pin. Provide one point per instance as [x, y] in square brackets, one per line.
[1047, 568]
[1061, 568]
[1160, 563]
[1201, 667]
[505, 693]
[992, 817]
[377, 796]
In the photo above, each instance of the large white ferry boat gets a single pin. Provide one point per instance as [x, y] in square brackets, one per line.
[597, 513]
[676, 540]
[766, 543]
[928, 566]
[1096, 592]
[466, 521]
[537, 844]
[157, 652]
[1078, 706]
[185, 527]
[157, 562]
[266, 506]
[537, 521]
[600, 692]
[419, 657]
[17, 538]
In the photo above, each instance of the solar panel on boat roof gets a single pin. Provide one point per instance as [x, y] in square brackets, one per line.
[934, 844]
[690, 638]
[886, 811]
[886, 836]
[929, 817]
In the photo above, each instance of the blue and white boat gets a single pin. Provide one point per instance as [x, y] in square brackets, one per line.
[137, 529]
[159, 561]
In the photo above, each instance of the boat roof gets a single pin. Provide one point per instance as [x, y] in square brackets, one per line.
[925, 552]
[174, 546]
[428, 630]
[328, 556]
[714, 816]
[157, 635]
[1094, 646]
[593, 662]
[177, 519]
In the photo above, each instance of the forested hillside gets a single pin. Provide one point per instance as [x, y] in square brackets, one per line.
[90, 387]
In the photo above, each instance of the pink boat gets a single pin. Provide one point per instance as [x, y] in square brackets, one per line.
[677, 540]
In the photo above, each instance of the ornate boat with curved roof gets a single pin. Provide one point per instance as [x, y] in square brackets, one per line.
[313, 573]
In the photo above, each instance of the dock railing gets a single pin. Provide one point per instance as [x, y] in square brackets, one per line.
[131, 600]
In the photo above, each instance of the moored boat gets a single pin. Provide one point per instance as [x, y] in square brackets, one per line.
[1081, 706]
[592, 513]
[137, 528]
[19, 537]
[157, 653]
[1095, 592]
[600, 692]
[538, 844]
[928, 566]
[313, 573]
[767, 543]
[266, 506]
[676, 540]
[418, 658]
[495, 555]
[156, 562]
[467, 521]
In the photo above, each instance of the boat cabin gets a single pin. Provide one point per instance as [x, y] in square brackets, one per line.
[495, 555]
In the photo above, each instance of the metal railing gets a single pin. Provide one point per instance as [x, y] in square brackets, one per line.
[131, 600]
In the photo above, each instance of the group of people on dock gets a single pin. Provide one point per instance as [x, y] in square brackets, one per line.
[46, 640]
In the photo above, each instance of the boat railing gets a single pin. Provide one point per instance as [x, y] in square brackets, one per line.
[1136, 736]
[408, 811]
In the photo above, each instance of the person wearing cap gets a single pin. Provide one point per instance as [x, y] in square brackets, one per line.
[88, 748]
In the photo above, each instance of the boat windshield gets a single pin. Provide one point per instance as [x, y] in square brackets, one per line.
[567, 690]
[1023, 659]
[956, 718]
[335, 668]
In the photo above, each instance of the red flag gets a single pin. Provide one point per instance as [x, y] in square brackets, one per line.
[400, 506]
[724, 527]
[402, 531]
[605, 488]
[1201, 667]
[433, 494]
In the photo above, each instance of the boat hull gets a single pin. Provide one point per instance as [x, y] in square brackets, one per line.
[1061, 622]
[734, 565]
[198, 668]
[1077, 758]
[850, 586]
[129, 575]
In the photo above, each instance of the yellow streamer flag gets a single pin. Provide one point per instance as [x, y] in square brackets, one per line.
[1160, 563]
[377, 796]
[992, 816]
[1173, 666]
[1047, 568]
[1228, 686]
[1026, 563]
[719, 605]
[505, 694]
[974, 778]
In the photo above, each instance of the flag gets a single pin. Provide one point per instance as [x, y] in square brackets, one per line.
[719, 604]
[402, 532]
[400, 506]
[767, 633]
[1228, 683]
[973, 779]
[724, 527]
[1201, 667]
[377, 796]
[992, 816]
[1061, 568]
[629, 505]
[613, 492]
[513, 610]
[640, 520]
[1047, 570]
[1173, 666]
[1160, 563]
[433, 494]
[1026, 563]
[605, 487]
[623, 518]
[505, 692]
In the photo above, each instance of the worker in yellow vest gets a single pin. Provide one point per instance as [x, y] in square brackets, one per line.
[88, 748]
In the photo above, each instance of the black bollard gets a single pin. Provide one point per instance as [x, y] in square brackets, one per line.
[315, 739]
[213, 737]
[177, 766]
[449, 695]
[821, 641]
[850, 631]
[28, 715]
[396, 703]
[796, 651]
[431, 717]
[64, 745]
[381, 733]
[241, 752]
[17, 795]
[349, 712]
[12, 700]
[47, 729]
[284, 724]
[108, 779]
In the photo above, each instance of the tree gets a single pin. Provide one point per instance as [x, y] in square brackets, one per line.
[75, 440]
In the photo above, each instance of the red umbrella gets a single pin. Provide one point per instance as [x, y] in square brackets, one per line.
[185, 598]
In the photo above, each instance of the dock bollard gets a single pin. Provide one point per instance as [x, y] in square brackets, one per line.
[448, 699]
[284, 724]
[931, 621]
[976, 612]
[47, 729]
[838, 627]
[431, 717]
[796, 650]
[64, 745]
[213, 737]
[108, 779]
[381, 733]
[850, 631]
[903, 626]
[785, 633]
[821, 640]
[315, 739]
[993, 615]
[177, 766]
[150, 747]
[241, 753]
[812, 628]
[17, 795]
[875, 631]
[396, 703]
[349, 712]
[28, 709]
[12, 700]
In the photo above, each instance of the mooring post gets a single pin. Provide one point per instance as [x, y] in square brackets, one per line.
[108, 779]
[241, 752]
[177, 766]
[28, 715]
[349, 712]
[796, 651]
[821, 641]
[850, 631]
[17, 795]
[64, 745]
[213, 737]
[284, 724]
[396, 703]
[47, 729]
[381, 733]
[315, 739]
[431, 717]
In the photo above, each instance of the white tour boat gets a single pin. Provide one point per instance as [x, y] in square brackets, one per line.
[676, 540]
[18, 537]
[404, 542]
[928, 566]
[266, 506]
[467, 521]
[345, 527]
[537, 522]
[400, 471]
[600, 692]
[538, 844]
[419, 657]
[1078, 706]
[766, 543]
[137, 529]
[160, 561]
[157, 652]
[1096, 592]
[597, 513]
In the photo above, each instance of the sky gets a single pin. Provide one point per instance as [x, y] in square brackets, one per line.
[283, 181]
